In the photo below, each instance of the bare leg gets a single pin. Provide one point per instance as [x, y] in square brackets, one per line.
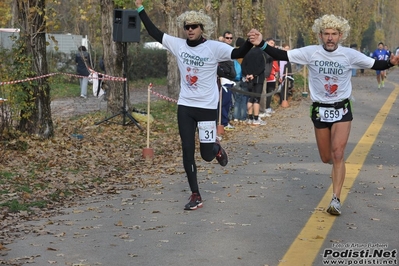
[331, 145]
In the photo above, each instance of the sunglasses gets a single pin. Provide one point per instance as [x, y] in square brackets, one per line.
[192, 26]
[228, 38]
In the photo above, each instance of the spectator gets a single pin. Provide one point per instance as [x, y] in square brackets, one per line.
[271, 80]
[285, 67]
[240, 100]
[226, 70]
[253, 70]
[83, 62]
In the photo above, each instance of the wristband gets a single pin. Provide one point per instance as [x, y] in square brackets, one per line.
[262, 45]
[140, 8]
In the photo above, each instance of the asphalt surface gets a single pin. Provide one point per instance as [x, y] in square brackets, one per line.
[254, 208]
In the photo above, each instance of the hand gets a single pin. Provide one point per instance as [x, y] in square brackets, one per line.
[249, 77]
[394, 59]
[139, 3]
[255, 37]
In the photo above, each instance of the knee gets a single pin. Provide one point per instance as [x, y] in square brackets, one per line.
[326, 159]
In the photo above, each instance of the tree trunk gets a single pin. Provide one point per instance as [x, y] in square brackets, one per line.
[113, 58]
[172, 29]
[36, 112]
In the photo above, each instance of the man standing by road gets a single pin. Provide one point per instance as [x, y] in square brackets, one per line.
[330, 88]
[226, 70]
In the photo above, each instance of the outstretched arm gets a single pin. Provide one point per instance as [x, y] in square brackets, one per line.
[153, 31]
[241, 51]
[255, 37]
[382, 64]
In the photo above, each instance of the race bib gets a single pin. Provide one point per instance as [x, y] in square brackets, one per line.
[207, 131]
[330, 114]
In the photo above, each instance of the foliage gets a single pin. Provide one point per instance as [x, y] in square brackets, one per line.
[146, 63]
[15, 67]
[66, 168]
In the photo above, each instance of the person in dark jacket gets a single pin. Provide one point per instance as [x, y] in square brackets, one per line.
[253, 70]
[83, 62]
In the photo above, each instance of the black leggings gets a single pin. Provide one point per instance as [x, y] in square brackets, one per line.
[187, 118]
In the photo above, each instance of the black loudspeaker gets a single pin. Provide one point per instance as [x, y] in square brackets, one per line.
[127, 25]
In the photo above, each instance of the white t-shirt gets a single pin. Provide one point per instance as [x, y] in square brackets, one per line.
[330, 72]
[198, 70]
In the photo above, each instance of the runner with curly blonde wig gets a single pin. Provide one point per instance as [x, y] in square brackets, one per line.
[197, 60]
[330, 70]
[197, 17]
[331, 22]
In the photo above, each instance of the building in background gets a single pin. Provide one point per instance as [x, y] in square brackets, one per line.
[65, 43]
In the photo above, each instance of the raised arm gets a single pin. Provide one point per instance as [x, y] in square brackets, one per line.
[153, 31]
[382, 64]
[241, 51]
[255, 37]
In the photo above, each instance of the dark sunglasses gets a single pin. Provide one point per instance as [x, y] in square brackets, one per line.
[228, 38]
[192, 26]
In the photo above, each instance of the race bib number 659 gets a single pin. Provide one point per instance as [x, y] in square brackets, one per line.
[207, 131]
[330, 114]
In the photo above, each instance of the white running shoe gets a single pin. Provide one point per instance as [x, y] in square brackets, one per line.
[335, 206]
[259, 122]
[265, 114]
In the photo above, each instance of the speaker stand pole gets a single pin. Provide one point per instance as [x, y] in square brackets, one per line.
[124, 111]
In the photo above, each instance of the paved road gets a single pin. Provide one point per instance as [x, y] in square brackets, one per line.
[255, 209]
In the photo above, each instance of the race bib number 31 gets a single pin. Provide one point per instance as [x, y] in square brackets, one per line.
[330, 114]
[207, 131]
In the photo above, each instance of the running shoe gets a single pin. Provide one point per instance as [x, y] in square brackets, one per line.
[195, 202]
[249, 121]
[335, 206]
[259, 122]
[221, 156]
[270, 111]
[265, 114]
[229, 127]
[383, 84]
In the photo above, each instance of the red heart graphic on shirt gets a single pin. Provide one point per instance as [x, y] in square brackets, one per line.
[333, 88]
[193, 79]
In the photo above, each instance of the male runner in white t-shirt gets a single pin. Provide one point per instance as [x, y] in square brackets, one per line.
[197, 60]
[330, 88]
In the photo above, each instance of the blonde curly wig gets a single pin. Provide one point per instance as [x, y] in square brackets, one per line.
[197, 17]
[331, 22]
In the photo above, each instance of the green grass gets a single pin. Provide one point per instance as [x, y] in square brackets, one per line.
[62, 88]
[15, 206]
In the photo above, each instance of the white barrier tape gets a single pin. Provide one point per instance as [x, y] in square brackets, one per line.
[163, 97]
